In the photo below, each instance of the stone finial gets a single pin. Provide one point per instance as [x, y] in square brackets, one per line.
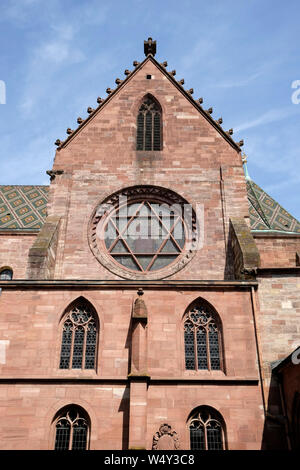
[109, 91]
[58, 142]
[80, 120]
[127, 72]
[173, 72]
[219, 121]
[240, 143]
[150, 47]
[244, 162]
[90, 110]
[135, 63]
[181, 82]
[200, 100]
[209, 110]
[139, 307]
[118, 81]
[100, 100]
[164, 64]
[244, 158]
[190, 91]
[69, 131]
[230, 132]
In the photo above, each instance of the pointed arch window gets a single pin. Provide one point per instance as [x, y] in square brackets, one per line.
[72, 429]
[149, 125]
[207, 430]
[6, 274]
[202, 339]
[79, 337]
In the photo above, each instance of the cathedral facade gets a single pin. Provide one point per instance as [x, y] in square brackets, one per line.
[150, 294]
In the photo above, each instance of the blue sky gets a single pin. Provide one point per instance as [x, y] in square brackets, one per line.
[240, 56]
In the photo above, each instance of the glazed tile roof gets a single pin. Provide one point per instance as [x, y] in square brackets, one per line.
[266, 213]
[23, 207]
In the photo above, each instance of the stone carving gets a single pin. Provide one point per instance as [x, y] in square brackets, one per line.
[150, 47]
[165, 439]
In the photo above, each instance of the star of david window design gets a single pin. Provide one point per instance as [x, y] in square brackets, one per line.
[143, 232]
[144, 237]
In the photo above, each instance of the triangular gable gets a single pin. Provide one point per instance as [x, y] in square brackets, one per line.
[178, 84]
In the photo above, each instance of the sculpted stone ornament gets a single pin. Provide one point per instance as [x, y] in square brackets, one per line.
[165, 439]
[150, 47]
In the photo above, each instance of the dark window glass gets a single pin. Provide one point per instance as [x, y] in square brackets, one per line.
[149, 126]
[79, 435]
[197, 438]
[71, 431]
[202, 340]
[206, 430]
[6, 275]
[63, 429]
[189, 344]
[79, 339]
[144, 236]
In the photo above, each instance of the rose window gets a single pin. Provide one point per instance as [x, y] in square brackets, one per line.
[143, 233]
[144, 236]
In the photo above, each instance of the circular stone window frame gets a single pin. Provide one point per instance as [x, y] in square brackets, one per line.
[134, 194]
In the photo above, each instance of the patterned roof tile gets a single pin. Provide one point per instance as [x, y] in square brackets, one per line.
[266, 213]
[23, 207]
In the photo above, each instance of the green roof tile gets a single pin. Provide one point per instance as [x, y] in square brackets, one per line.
[23, 207]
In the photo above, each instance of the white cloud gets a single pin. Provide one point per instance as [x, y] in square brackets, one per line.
[272, 115]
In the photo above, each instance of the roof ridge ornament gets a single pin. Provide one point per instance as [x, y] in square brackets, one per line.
[150, 47]
[244, 161]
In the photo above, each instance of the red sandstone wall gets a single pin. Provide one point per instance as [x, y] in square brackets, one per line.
[279, 252]
[27, 412]
[30, 336]
[102, 159]
[14, 249]
[279, 317]
[239, 405]
[31, 329]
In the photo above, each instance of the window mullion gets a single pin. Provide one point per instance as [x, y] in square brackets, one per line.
[205, 437]
[84, 345]
[196, 347]
[71, 437]
[72, 345]
[207, 347]
[144, 133]
[152, 130]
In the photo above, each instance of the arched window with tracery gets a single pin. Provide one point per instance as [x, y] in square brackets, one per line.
[79, 337]
[149, 125]
[207, 429]
[72, 429]
[6, 274]
[202, 338]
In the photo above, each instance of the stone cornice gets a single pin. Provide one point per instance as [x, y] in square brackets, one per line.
[124, 380]
[131, 284]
